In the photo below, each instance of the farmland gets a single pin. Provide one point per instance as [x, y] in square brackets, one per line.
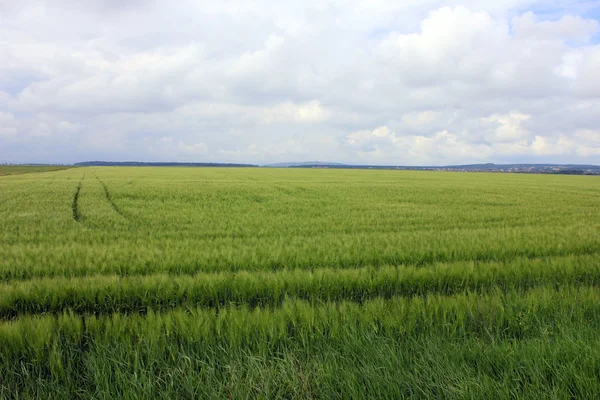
[293, 283]
[28, 169]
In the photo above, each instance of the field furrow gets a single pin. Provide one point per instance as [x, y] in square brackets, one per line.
[131, 294]
[76, 214]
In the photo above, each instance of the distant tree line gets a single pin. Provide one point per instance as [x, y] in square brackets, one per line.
[156, 164]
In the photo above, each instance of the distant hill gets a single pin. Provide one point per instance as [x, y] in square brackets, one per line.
[571, 169]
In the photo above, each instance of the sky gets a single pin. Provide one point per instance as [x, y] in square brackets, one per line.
[411, 82]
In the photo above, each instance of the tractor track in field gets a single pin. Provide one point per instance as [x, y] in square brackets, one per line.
[77, 217]
[109, 198]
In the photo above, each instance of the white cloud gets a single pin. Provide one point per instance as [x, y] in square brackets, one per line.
[570, 65]
[7, 127]
[453, 43]
[417, 82]
[441, 147]
[567, 28]
[587, 151]
[507, 128]
[68, 127]
[166, 147]
[251, 63]
[444, 147]
[372, 140]
[289, 112]
[192, 149]
[589, 142]
[543, 146]
[420, 119]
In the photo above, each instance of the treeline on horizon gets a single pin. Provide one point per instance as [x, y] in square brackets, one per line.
[156, 164]
[564, 169]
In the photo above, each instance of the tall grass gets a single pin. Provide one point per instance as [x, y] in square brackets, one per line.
[543, 342]
[107, 294]
[185, 221]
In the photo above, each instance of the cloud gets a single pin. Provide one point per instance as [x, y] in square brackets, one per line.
[308, 112]
[544, 146]
[442, 146]
[579, 67]
[507, 128]
[192, 149]
[452, 43]
[7, 127]
[567, 28]
[413, 82]
[167, 147]
[420, 119]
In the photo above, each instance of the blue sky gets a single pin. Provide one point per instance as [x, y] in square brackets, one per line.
[417, 82]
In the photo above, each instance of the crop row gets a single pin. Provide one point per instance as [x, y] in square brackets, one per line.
[107, 294]
[494, 315]
[155, 255]
[543, 342]
[366, 365]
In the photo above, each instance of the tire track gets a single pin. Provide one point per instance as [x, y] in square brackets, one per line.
[109, 198]
[75, 206]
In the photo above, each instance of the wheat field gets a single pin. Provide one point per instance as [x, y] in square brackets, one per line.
[156, 282]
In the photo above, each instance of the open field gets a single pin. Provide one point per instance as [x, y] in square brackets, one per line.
[293, 283]
[28, 169]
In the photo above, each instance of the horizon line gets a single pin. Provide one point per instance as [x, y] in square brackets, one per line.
[295, 163]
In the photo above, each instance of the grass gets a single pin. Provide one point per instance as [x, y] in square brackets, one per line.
[270, 283]
[29, 169]
[103, 294]
[541, 343]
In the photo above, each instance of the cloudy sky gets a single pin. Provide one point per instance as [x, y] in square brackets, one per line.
[406, 82]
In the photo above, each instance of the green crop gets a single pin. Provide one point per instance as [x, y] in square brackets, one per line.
[28, 169]
[298, 283]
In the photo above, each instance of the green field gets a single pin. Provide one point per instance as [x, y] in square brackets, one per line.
[298, 283]
[28, 169]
